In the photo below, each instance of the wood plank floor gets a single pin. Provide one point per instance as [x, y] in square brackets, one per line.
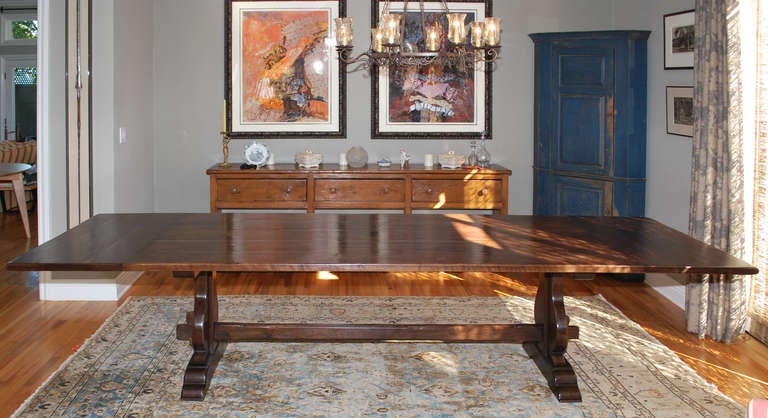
[37, 337]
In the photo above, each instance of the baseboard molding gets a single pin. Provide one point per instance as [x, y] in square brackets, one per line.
[668, 287]
[86, 286]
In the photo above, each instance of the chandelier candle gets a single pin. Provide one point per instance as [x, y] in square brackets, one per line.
[477, 30]
[377, 40]
[344, 31]
[433, 38]
[492, 31]
[457, 32]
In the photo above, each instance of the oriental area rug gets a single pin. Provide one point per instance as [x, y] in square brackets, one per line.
[133, 366]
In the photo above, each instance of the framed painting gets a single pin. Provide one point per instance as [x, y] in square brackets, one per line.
[434, 101]
[680, 110]
[678, 40]
[283, 79]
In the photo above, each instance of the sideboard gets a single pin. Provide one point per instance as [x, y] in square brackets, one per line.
[415, 187]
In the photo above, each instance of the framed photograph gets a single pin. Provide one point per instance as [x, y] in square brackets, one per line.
[435, 101]
[283, 79]
[680, 110]
[678, 40]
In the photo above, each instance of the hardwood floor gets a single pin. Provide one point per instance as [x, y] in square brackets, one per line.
[37, 337]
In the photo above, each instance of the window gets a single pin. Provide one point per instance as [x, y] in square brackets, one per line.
[19, 28]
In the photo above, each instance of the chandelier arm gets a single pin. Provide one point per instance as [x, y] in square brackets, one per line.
[464, 57]
[423, 20]
[445, 7]
[403, 25]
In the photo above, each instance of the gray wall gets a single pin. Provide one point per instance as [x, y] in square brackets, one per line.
[189, 90]
[669, 156]
[134, 88]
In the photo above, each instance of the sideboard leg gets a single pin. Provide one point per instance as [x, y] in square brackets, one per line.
[549, 353]
[206, 350]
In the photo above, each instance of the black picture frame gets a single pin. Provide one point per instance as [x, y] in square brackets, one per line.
[303, 114]
[679, 40]
[385, 127]
[680, 110]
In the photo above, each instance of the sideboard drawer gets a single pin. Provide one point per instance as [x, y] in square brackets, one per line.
[469, 194]
[360, 190]
[261, 190]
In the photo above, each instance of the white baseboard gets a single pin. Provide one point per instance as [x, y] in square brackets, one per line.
[86, 286]
[668, 287]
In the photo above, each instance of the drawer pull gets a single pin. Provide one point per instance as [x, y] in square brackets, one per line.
[236, 189]
[428, 190]
[332, 190]
[385, 190]
[483, 192]
[288, 190]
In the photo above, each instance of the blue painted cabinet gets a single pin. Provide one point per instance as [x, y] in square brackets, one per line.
[590, 123]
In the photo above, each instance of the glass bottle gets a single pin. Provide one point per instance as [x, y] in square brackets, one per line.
[472, 157]
[483, 156]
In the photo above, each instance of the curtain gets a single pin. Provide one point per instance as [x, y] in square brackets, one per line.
[716, 306]
[758, 306]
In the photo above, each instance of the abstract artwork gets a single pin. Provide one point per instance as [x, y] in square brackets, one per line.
[283, 79]
[433, 101]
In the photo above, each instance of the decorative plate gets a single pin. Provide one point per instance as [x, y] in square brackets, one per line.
[256, 153]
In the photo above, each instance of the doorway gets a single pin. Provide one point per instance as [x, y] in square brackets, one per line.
[19, 97]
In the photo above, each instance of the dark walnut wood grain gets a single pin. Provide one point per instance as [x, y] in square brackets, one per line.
[556, 247]
[415, 187]
[377, 242]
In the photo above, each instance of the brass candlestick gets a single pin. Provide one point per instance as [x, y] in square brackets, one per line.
[225, 148]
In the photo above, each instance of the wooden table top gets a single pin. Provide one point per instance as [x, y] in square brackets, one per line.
[13, 168]
[377, 242]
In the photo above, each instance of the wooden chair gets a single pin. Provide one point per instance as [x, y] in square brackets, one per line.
[6, 192]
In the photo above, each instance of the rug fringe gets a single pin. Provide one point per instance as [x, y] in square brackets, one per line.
[69, 359]
[665, 348]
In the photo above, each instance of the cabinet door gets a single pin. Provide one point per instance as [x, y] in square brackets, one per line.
[582, 109]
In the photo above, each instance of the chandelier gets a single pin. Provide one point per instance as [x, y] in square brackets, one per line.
[431, 44]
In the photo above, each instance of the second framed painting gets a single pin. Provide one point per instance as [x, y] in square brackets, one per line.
[434, 101]
[282, 77]
[680, 110]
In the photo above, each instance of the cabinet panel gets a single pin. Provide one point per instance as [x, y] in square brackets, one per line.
[575, 196]
[473, 194]
[261, 190]
[582, 142]
[584, 68]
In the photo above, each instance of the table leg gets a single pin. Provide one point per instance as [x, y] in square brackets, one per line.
[549, 353]
[207, 351]
[21, 199]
